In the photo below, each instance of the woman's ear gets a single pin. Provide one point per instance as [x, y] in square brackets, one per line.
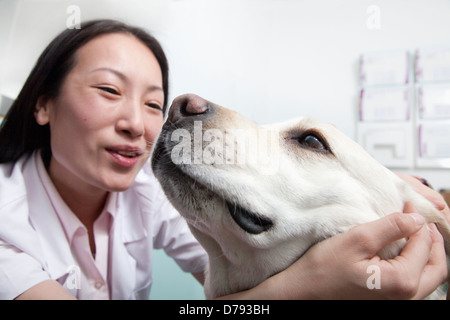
[41, 111]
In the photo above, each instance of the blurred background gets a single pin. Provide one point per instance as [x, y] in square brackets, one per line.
[378, 69]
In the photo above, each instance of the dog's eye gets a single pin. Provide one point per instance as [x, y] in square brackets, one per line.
[312, 141]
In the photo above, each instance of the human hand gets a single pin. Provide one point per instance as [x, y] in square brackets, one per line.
[340, 267]
[433, 196]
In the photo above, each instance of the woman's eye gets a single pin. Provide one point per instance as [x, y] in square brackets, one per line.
[154, 106]
[312, 142]
[109, 90]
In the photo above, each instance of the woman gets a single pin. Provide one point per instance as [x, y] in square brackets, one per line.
[79, 133]
[80, 211]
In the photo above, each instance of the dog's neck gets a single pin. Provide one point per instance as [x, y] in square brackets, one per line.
[230, 272]
[224, 277]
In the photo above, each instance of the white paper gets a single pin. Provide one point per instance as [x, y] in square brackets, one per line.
[385, 104]
[434, 101]
[434, 140]
[432, 64]
[385, 68]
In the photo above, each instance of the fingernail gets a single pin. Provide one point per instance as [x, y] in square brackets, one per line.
[418, 218]
[438, 203]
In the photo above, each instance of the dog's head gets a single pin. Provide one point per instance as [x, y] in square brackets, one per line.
[257, 197]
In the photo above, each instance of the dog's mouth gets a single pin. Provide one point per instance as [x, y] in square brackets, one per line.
[249, 221]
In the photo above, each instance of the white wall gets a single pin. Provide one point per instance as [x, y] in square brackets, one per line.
[269, 59]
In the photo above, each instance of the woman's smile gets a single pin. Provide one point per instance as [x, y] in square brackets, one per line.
[125, 156]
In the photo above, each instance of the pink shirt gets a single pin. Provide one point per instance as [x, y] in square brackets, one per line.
[93, 270]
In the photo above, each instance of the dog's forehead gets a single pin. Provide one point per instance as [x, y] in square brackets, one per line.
[301, 124]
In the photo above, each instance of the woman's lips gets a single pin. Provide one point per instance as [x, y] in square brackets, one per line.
[125, 156]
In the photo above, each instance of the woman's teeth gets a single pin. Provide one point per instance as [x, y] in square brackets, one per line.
[128, 154]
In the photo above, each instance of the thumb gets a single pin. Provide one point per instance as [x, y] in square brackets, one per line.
[388, 229]
[412, 212]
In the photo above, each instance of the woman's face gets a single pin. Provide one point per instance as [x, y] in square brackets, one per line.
[107, 114]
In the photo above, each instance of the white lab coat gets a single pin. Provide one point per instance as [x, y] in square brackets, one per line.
[32, 238]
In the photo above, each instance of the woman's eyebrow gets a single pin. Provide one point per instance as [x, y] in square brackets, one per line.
[124, 78]
[114, 71]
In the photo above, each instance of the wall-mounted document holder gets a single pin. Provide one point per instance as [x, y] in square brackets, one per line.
[388, 143]
[404, 123]
[432, 74]
[432, 64]
[384, 68]
[434, 101]
[384, 104]
[384, 127]
[434, 144]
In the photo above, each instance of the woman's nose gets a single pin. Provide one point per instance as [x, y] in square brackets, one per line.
[188, 105]
[131, 121]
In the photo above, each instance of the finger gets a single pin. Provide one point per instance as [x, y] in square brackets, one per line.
[438, 202]
[416, 251]
[445, 211]
[402, 274]
[373, 236]
[409, 208]
[433, 196]
[438, 254]
[418, 185]
[435, 272]
[419, 242]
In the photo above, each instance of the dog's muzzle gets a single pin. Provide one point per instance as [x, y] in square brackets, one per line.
[184, 111]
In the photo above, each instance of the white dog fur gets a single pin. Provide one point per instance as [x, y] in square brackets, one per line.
[308, 195]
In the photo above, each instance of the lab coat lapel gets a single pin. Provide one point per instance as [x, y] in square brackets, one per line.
[58, 257]
[122, 268]
[15, 228]
[127, 235]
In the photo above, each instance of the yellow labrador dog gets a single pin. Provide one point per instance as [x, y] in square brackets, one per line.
[257, 197]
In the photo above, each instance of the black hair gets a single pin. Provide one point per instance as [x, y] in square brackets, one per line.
[20, 134]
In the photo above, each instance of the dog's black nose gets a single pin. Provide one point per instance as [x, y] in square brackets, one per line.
[186, 106]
